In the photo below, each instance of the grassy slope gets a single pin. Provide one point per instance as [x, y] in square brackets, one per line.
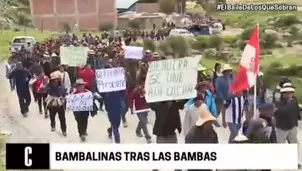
[7, 35]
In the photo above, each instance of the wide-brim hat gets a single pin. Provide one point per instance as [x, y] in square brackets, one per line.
[46, 54]
[156, 55]
[80, 82]
[240, 138]
[54, 55]
[287, 88]
[260, 74]
[204, 115]
[226, 67]
[201, 68]
[55, 75]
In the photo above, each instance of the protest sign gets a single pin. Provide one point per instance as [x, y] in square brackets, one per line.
[79, 102]
[171, 79]
[112, 79]
[73, 56]
[133, 52]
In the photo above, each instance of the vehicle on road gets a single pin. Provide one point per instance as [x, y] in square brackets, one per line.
[182, 32]
[19, 41]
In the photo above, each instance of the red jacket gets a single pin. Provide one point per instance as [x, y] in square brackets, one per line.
[138, 100]
[88, 76]
[37, 84]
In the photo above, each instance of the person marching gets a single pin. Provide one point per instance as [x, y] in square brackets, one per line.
[81, 117]
[55, 101]
[113, 106]
[22, 76]
[141, 107]
[41, 94]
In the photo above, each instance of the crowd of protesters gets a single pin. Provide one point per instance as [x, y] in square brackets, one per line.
[38, 73]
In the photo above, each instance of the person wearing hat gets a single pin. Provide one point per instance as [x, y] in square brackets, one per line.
[266, 121]
[222, 87]
[201, 73]
[81, 117]
[202, 132]
[55, 101]
[147, 56]
[40, 94]
[287, 115]
[276, 92]
[204, 96]
[22, 77]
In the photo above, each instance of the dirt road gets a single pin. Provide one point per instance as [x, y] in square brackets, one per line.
[35, 128]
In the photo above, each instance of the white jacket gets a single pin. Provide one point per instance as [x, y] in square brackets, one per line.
[66, 81]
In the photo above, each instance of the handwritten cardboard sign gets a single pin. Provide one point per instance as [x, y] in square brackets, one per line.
[171, 79]
[79, 102]
[73, 56]
[112, 79]
[133, 52]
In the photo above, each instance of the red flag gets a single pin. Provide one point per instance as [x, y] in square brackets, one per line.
[249, 65]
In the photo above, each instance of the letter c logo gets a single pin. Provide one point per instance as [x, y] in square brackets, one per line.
[28, 162]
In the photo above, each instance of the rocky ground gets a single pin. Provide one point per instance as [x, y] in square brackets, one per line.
[35, 128]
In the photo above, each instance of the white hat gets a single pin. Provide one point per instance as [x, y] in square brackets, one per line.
[80, 82]
[147, 51]
[240, 137]
[204, 115]
[287, 87]
[226, 67]
[53, 55]
[201, 68]
[260, 74]
[55, 75]
[155, 55]
[46, 54]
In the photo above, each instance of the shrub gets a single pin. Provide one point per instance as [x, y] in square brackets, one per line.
[245, 35]
[266, 52]
[215, 41]
[203, 41]
[164, 48]
[105, 26]
[66, 27]
[269, 40]
[135, 24]
[241, 44]
[229, 39]
[179, 45]
[287, 20]
[149, 44]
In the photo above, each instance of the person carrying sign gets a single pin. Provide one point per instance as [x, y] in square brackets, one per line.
[81, 117]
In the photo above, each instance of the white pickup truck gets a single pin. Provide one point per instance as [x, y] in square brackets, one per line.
[19, 41]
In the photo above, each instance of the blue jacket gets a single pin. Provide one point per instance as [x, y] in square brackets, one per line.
[112, 101]
[209, 101]
[222, 86]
